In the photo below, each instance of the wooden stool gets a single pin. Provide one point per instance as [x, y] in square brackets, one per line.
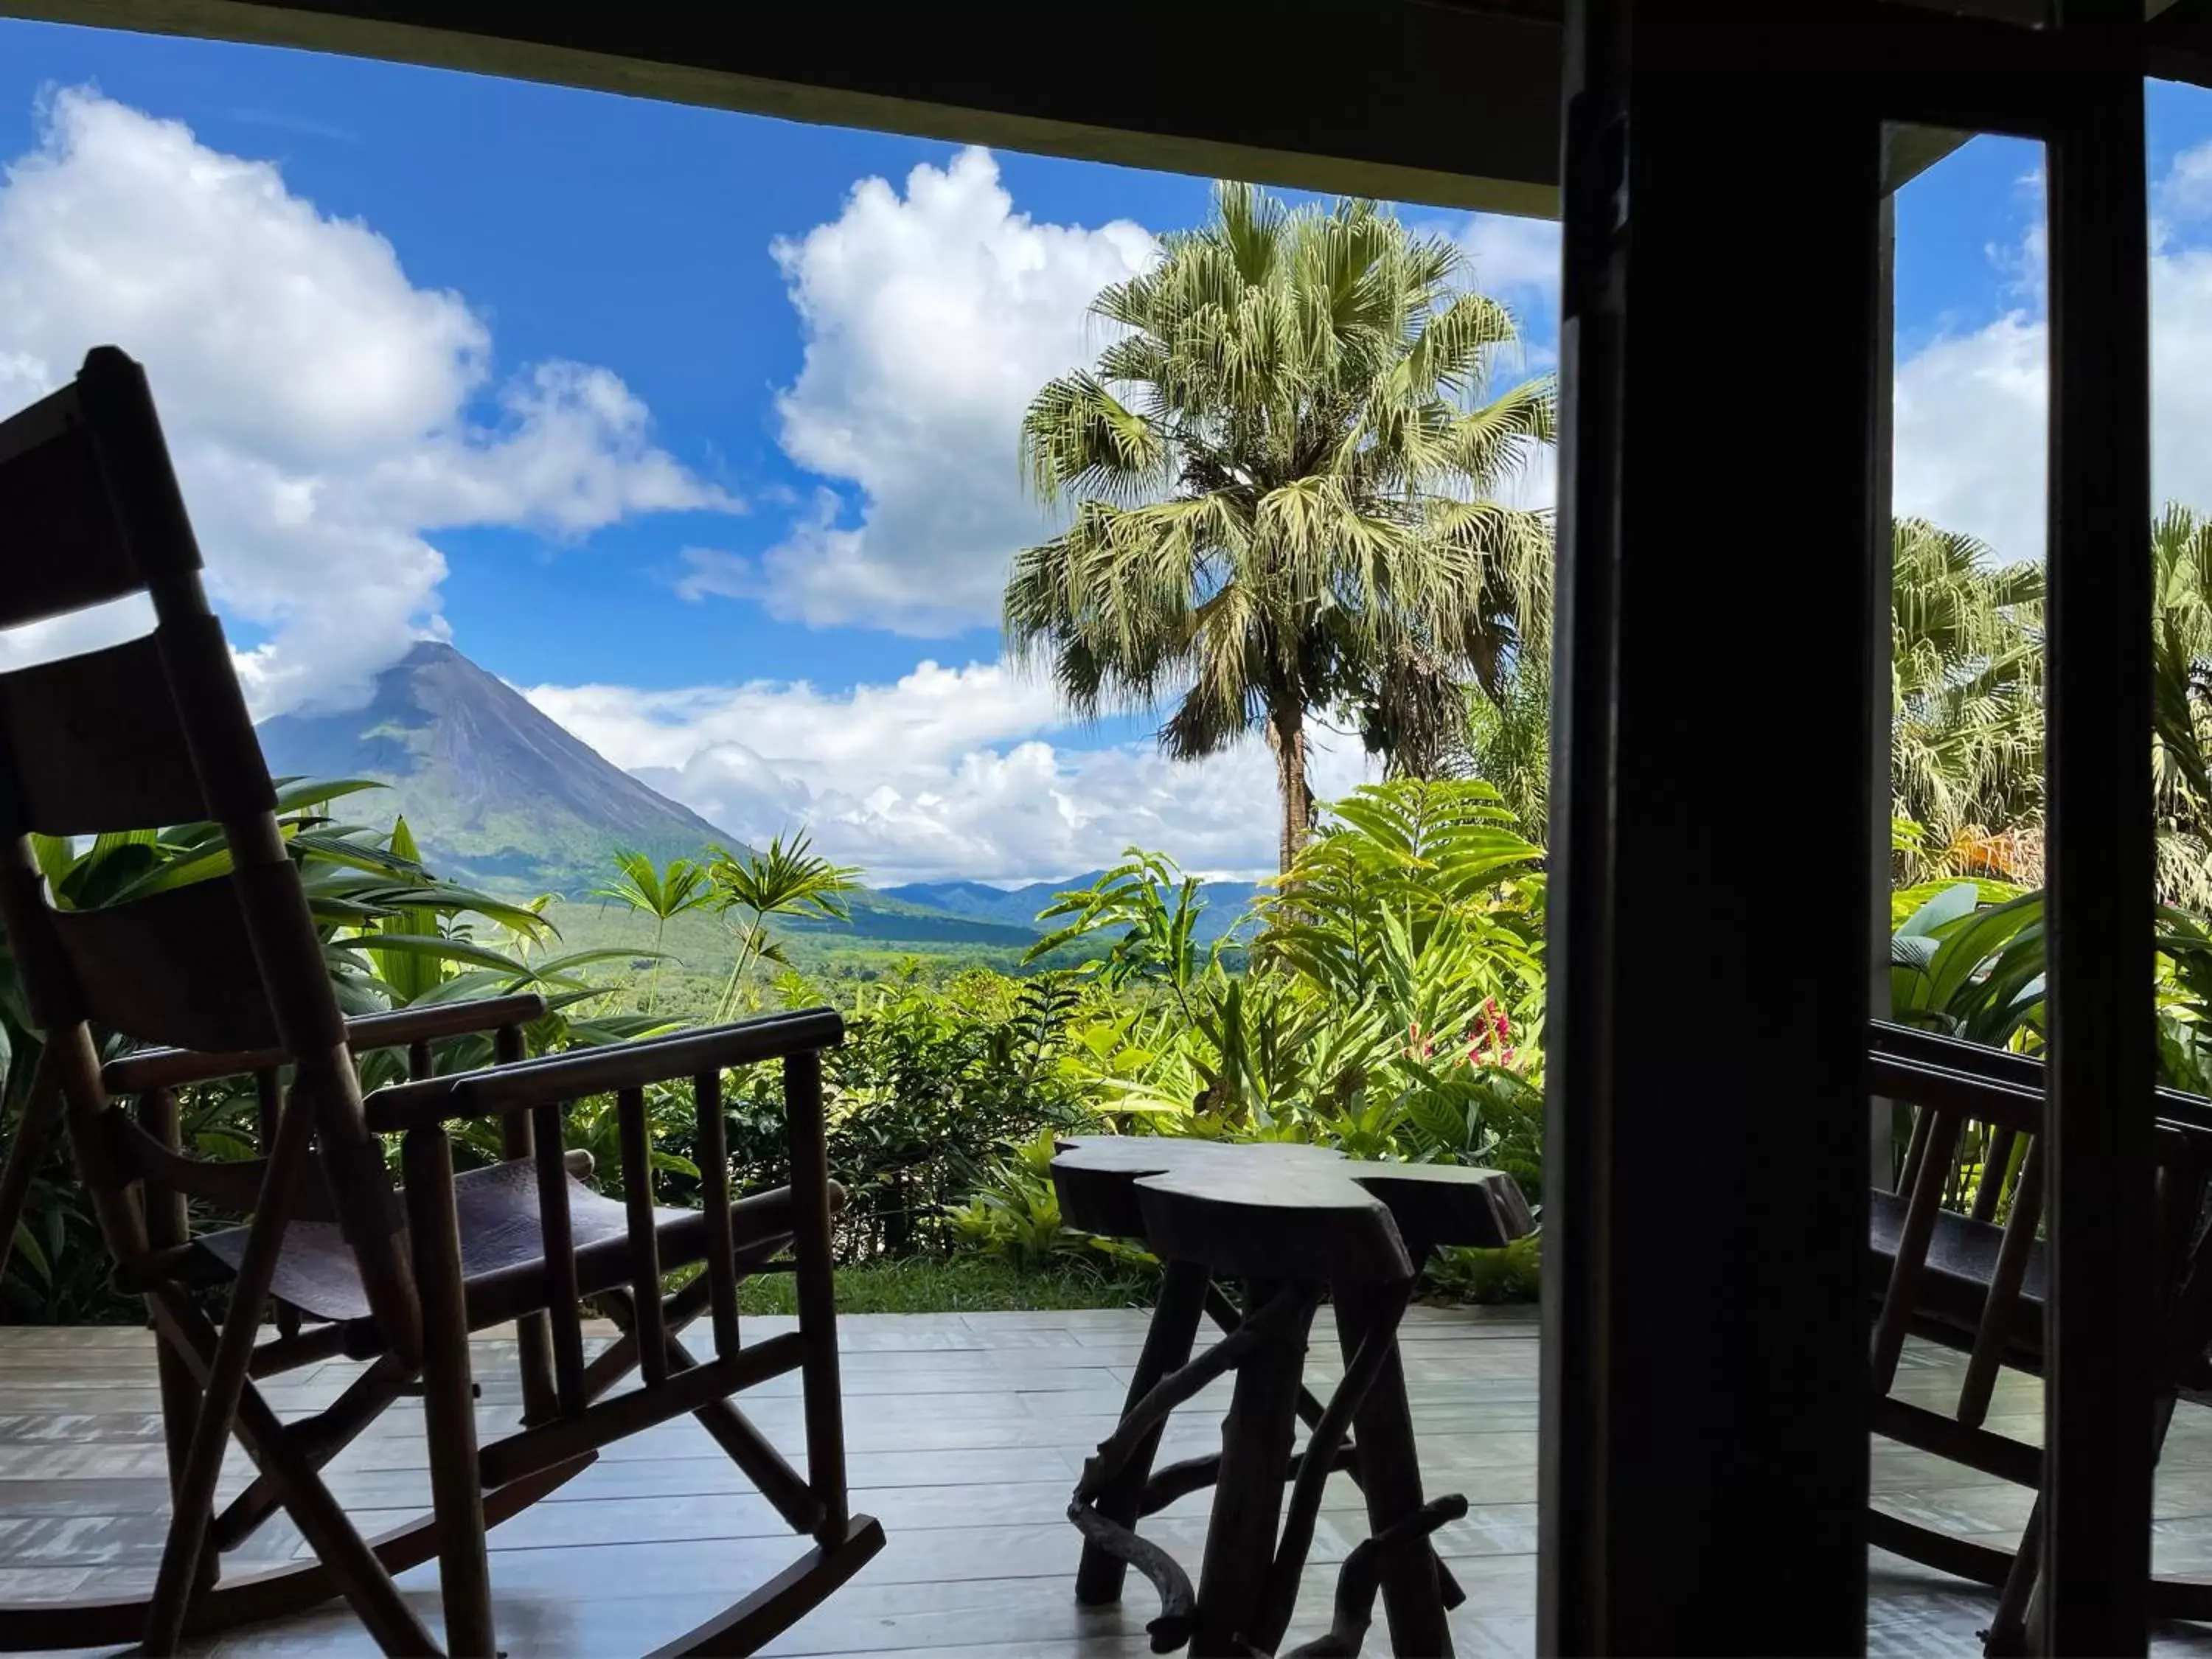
[1289, 1223]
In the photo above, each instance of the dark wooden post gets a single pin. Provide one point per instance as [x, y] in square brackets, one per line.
[2097, 1409]
[1881, 557]
[1680, 1428]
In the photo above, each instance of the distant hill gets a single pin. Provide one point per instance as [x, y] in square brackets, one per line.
[496, 792]
[886, 916]
[500, 795]
[1017, 907]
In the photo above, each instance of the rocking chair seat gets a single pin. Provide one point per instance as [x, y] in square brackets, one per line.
[503, 1246]
[1954, 1283]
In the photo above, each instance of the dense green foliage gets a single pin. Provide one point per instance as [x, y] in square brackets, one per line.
[1396, 1011]
[1393, 1009]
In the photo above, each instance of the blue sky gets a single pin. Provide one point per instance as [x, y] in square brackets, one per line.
[699, 426]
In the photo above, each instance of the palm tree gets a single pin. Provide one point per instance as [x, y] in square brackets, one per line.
[661, 894]
[1966, 695]
[2181, 705]
[1509, 742]
[778, 880]
[1283, 470]
[1968, 749]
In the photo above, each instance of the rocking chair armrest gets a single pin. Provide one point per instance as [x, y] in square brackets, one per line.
[1890, 1042]
[169, 1068]
[496, 1090]
[2006, 1103]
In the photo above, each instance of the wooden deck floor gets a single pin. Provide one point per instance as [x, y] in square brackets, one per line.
[966, 1433]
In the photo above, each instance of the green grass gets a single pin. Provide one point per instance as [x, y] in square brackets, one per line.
[948, 1285]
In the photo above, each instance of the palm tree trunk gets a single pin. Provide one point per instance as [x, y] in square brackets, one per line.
[1287, 738]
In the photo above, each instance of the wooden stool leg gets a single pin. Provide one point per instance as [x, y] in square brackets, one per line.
[1256, 1438]
[1390, 1472]
[1167, 1348]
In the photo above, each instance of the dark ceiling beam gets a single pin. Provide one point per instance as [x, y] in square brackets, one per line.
[1452, 104]
[1461, 108]
[2179, 42]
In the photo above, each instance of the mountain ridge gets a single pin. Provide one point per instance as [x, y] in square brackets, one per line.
[1222, 902]
[500, 795]
[496, 792]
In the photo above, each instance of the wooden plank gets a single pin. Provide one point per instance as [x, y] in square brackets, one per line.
[971, 1485]
[535, 1448]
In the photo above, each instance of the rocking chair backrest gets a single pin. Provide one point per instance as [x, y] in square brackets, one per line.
[151, 733]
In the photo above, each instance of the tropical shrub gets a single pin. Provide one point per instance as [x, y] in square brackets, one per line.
[929, 1092]
[752, 887]
[1393, 1007]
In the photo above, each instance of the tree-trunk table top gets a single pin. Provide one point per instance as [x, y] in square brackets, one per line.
[1279, 1210]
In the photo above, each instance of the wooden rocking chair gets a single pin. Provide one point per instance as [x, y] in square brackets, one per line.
[1968, 1273]
[229, 976]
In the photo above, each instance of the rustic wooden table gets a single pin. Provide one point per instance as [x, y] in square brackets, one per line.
[1289, 1224]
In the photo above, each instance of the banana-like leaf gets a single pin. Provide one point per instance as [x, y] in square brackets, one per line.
[1952, 901]
[437, 947]
[294, 793]
[1969, 944]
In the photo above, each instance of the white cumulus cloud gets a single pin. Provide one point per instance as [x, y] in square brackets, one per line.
[947, 772]
[1972, 406]
[326, 415]
[1515, 260]
[930, 318]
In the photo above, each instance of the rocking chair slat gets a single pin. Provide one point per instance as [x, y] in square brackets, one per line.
[294, 1348]
[1998, 1315]
[549, 1122]
[176, 967]
[533, 1332]
[64, 721]
[51, 493]
[619, 1358]
[155, 1068]
[1996, 1164]
[1913, 1249]
[645, 1234]
[714, 1200]
[815, 1284]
